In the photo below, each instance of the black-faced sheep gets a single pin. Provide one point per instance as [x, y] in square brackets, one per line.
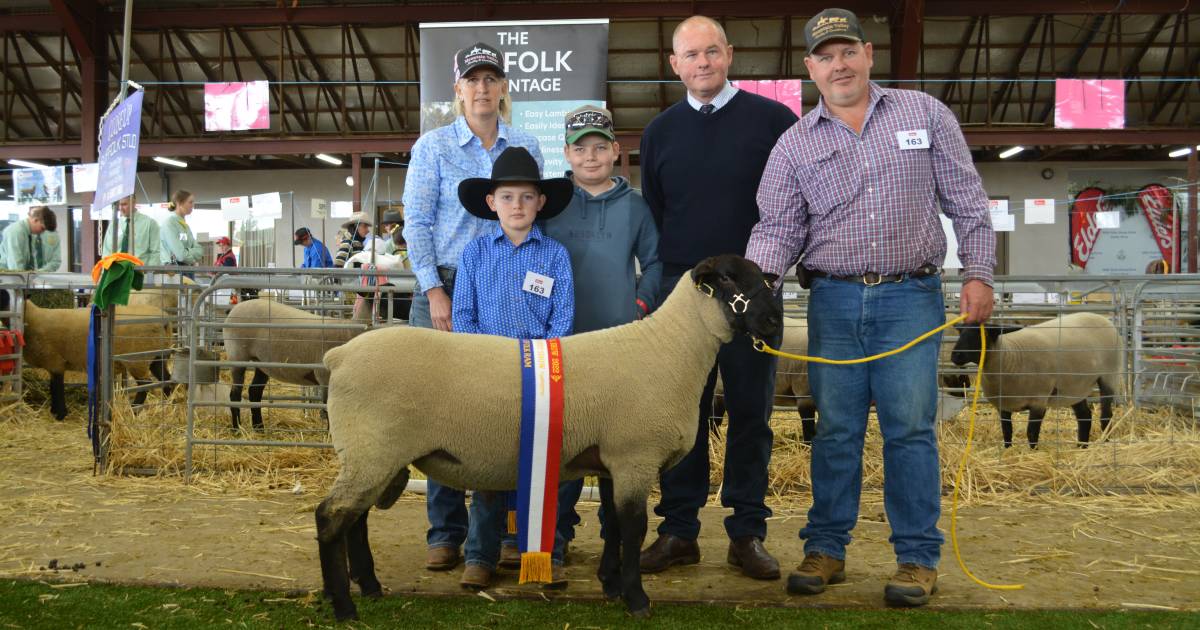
[255, 336]
[454, 411]
[1056, 363]
[791, 381]
[56, 341]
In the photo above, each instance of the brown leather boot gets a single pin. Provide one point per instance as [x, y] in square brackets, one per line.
[755, 561]
[910, 586]
[475, 577]
[442, 558]
[510, 557]
[669, 551]
[815, 573]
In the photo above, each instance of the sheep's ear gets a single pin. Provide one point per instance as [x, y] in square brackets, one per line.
[705, 270]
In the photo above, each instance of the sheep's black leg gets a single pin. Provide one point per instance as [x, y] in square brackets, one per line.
[362, 564]
[1034, 429]
[392, 492]
[139, 398]
[632, 516]
[609, 571]
[331, 542]
[1107, 395]
[325, 401]
[808, 429]
[257, 385]
[238, 376]
[1083, 416]
[58, 397]
[1006, 427]
[158, 368]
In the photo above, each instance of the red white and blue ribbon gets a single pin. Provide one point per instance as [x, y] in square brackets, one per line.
[541, 449]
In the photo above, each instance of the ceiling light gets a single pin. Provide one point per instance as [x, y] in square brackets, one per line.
[25, 164]
[169, 162]
[350, 180]
[328, 158]
[1180, 152]
[1007, 153]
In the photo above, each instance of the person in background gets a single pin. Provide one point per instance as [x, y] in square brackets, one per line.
[316, 255]
[225, 256]
[356, 238]
[179, 246]
[437, 229]
[31, 244]
[147, 246]
[605, 228]
[390, 224]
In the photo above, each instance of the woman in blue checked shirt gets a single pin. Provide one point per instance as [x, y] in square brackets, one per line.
[437, 229]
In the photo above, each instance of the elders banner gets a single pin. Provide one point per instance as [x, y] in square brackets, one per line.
[1158, 205]
[237, 106]
[1084, 229]
[552, 67]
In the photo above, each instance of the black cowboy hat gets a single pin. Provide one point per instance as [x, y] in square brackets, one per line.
[515, 165]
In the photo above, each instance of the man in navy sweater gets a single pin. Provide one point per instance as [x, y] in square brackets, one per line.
[701, 163]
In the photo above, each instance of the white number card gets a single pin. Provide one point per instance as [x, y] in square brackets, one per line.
[538, 284]
[915, 139]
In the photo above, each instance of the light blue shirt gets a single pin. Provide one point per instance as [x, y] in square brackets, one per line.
[436, 226]
[720, 100]
[489, 294]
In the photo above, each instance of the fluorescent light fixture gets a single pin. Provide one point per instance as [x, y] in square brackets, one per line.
[328, 158]
[24, 164]
[169, 162]
[1180, 152]
[1007, 153]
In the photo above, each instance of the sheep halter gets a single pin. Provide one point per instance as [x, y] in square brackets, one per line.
[539, 456]
[762, 346]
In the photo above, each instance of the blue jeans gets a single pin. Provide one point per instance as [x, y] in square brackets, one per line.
[445, 506]
[568, 518]
[749, 378]
[488, 522]
[851, 320]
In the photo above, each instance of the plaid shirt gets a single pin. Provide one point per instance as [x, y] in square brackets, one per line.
[858, 203]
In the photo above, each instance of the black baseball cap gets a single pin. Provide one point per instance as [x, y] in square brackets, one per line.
[477, 55]
[301, 234]
[832, 24]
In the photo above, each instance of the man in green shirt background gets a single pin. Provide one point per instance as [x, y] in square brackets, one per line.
[30, 244]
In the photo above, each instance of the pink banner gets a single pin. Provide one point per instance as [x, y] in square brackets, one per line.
[786, 91]
[1089, 104]
[237, 106]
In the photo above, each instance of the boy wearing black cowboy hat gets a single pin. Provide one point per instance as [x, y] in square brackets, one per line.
[513, 281]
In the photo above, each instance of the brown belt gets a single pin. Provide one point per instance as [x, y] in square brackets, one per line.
[871, 278]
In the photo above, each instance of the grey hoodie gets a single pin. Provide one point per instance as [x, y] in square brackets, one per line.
[603, 234]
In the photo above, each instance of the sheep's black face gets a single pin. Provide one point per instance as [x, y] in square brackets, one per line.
[966, 350]
[747, 296]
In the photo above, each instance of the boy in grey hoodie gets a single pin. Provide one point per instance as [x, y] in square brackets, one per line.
[606, 225]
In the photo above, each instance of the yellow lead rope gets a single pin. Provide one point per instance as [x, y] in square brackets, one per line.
[761, 346]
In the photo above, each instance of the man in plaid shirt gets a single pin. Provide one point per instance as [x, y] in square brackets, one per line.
[855, 188]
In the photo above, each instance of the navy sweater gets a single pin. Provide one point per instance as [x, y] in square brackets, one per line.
[700, 174]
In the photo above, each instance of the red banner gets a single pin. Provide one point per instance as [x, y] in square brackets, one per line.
[1084, 230]
[1158, 204]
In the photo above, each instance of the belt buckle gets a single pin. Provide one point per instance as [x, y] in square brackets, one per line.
[872, 279]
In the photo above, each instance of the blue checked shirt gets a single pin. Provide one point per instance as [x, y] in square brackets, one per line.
[489, 297]
[436, 226]
[856, 203]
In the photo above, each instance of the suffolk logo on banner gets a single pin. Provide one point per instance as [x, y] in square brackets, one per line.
[552, 67]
